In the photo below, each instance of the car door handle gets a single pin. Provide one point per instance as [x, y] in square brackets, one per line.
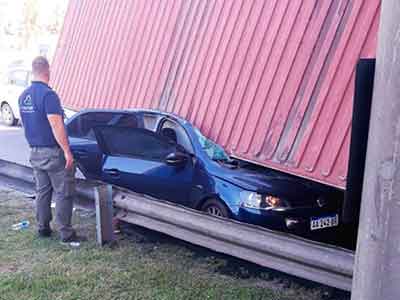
[112, 172]
[80, 153]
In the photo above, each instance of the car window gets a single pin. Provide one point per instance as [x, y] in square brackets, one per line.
[82, 126]
[213, 150]
[176, 133]
[125, 120]
[4, 78]
[139, 143]
[150, 122]
[18, 78]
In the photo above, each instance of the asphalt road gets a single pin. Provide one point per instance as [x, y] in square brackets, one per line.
[13, 146]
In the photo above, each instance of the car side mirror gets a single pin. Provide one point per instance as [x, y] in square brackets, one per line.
[176, 159]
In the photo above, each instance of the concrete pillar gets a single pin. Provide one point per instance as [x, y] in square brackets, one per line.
[377, 265]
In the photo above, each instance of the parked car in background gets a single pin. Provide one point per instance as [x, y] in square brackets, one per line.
[14, 83]
[166, 157]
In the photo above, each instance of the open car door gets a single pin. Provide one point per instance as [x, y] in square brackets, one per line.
[83, 141]
[145, 162]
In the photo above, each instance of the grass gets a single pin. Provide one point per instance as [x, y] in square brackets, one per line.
[144, 265]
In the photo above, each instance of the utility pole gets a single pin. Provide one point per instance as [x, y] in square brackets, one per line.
[377, 265]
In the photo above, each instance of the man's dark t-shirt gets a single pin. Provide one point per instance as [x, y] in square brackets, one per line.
[35, 103]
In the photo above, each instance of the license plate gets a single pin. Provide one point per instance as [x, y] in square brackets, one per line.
[324, 222]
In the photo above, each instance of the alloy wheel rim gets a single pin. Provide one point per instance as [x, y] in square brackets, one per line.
[215, 211]
[6, 113]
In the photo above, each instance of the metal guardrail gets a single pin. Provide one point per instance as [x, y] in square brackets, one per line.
[290, 254]
[17, 176]
[287, 253]
[20, 177]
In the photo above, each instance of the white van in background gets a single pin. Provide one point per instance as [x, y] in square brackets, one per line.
[13, 84]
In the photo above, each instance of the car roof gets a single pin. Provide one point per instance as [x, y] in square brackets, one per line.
[19, 68]
[138, 110]
[11, 70]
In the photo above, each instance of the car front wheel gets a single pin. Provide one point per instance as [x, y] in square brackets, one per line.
[8, 115]
[215, 208]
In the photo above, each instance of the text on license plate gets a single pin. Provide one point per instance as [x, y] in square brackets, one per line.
[323, 222]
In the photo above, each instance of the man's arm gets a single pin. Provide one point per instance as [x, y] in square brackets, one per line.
[57, 125]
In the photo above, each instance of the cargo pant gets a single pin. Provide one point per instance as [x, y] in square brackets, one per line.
[53, 180]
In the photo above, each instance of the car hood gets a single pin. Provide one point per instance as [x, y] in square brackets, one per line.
[274, 184]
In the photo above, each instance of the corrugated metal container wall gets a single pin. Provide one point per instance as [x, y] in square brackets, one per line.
[271, 81]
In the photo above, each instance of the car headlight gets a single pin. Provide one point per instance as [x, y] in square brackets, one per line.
[254, 200]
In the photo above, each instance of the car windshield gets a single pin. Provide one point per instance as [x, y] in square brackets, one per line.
[213, 150]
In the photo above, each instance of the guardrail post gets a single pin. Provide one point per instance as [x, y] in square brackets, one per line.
[377, 267]
[104, 214]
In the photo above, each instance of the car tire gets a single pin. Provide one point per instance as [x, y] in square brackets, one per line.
[215, 208]
[8, 115]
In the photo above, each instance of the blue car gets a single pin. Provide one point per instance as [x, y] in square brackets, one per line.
[166, 157]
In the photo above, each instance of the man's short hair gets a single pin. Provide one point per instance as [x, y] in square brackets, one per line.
[40, 66]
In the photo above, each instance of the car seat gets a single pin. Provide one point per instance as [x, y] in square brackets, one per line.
[127, 121]
[170, 134]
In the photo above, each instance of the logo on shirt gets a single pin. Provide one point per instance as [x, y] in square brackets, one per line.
[27, 105]
[28, 100]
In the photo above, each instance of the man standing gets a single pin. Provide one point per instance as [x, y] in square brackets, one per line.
[51, 157]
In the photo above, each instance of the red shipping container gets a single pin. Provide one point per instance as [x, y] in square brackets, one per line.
[271, 81]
